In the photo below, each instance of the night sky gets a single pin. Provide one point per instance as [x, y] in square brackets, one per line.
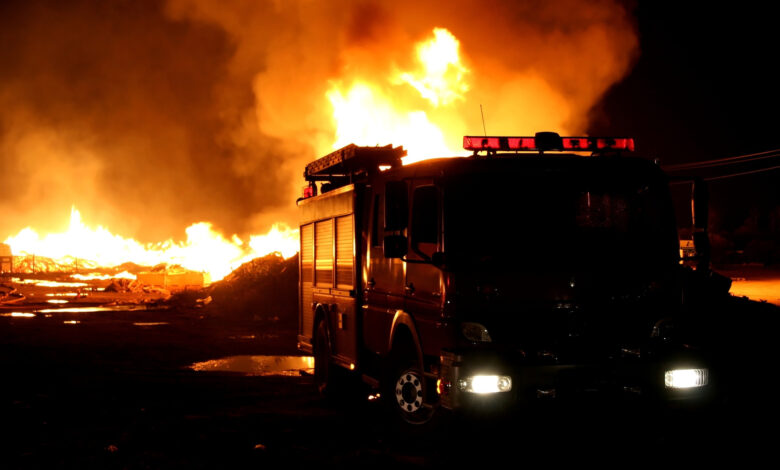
[705, 84]
[704, 88]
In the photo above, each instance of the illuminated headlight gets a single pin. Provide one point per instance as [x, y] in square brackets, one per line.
[475, 332]
[686, 378]
[483, 384]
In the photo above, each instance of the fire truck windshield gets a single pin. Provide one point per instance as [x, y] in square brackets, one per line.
[558, 222]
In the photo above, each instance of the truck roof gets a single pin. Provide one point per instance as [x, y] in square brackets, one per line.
[534, 164]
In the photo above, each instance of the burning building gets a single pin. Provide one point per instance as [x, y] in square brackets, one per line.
[6, 259]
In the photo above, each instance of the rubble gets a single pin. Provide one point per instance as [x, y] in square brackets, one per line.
[264, 289]
[124, 285]
[9, 294]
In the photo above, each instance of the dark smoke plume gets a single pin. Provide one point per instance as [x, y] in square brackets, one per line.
[151, 115]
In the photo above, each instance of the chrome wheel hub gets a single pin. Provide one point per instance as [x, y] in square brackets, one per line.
[408, 392]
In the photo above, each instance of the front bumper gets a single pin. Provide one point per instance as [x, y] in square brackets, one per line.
[537, 381]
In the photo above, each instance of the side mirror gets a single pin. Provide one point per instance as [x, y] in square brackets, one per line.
[700, 217]
[394, 246]
[439, 259]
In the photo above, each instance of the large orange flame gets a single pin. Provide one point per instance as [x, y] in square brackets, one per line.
[380, 113]
[395, 110]
[205, 250]
[442, 77]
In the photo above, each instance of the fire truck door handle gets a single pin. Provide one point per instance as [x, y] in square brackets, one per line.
[409, 289]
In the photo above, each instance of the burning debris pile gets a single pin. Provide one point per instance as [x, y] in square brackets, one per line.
[31, 264]
[124, 285]
[262, 289]
[205, 255]
[126, 277]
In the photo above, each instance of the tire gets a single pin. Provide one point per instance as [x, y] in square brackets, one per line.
[406, 390]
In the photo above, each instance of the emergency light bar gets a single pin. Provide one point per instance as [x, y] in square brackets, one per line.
[545, 141]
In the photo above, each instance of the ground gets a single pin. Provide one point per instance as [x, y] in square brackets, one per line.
[756, 282]
[116, 389]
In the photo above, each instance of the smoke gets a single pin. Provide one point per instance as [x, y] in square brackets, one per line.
[152, 115]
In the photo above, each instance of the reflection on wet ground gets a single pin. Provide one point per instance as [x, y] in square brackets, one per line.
[762, 289]
[106, 308]
[47, 283]
[151, 323]
[259, 365]
[18, 314]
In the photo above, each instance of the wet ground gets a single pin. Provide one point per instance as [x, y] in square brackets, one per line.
[149, 387]
[754, 281]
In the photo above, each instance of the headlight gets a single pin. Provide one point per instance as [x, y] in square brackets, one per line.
[686, 378]
[475, 332]
[483, 384]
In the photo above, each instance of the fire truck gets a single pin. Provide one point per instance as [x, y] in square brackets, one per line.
[540, 268]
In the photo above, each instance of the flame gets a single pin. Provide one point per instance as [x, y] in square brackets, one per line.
[205, 250]
[371, 113]
[444, 79]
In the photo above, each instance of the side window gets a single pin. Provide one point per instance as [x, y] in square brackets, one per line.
[323, 253]
[344, 252]
[396, 206]
[424, 216]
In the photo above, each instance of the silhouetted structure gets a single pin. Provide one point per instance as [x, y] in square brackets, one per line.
[6, 259]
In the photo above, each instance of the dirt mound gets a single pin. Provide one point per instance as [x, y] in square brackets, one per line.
[262, 289]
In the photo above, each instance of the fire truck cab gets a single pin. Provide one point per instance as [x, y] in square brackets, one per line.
[524, 272]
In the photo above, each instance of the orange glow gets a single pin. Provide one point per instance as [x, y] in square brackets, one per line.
[103, 277]
[204, 250]
[397, 109]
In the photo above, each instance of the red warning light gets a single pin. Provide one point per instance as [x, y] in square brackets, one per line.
[548, 141]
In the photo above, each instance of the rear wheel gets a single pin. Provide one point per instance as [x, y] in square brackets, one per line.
[323, 369]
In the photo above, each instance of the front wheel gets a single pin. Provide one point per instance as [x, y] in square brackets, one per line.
[407, 391]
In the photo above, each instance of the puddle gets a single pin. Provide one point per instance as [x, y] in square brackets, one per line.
[241, 337]
[259, 365]
[109, 308]
[43, 283]
[151, 323]
[18, 314]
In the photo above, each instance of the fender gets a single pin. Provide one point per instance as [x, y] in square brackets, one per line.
[403, 318]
